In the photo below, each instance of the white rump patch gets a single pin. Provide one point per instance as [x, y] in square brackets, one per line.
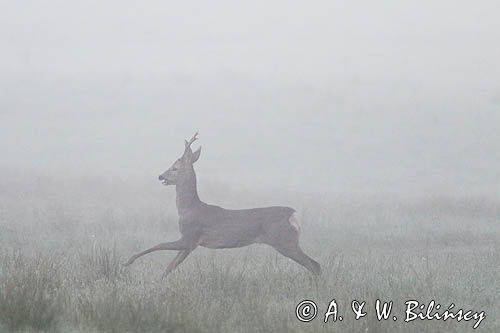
[294, 221]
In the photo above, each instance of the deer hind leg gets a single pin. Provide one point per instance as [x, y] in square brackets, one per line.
[286, 241]
[179, 258]
[294, 252]
[179, 245]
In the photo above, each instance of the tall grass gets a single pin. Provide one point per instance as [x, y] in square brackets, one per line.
[63, 243]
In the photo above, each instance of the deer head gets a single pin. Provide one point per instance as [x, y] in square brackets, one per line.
[183, 166]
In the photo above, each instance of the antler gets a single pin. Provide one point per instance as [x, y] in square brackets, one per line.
[187, 144]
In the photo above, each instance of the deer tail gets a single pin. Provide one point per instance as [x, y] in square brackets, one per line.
[294, 221]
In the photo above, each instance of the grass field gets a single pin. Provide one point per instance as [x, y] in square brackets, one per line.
[63, 239]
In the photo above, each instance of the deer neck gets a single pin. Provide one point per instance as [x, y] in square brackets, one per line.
[186, 192]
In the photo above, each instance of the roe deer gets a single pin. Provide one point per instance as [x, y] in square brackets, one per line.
[216, 228]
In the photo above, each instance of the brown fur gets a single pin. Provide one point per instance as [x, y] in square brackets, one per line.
[214, 227]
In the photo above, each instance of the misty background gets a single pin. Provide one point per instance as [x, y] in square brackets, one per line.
[379, 122]
[325, 96]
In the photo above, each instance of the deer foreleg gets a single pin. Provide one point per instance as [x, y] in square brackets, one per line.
[179, 258]
[179, 245]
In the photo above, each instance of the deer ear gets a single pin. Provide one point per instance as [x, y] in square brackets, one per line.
[196, 155]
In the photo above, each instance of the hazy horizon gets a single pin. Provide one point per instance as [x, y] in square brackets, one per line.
[360, 139]
[389, 97]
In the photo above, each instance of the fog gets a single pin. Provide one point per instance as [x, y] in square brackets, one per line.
[326, 96]
[377, 122]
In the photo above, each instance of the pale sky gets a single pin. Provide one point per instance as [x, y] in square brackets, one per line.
[344, 96]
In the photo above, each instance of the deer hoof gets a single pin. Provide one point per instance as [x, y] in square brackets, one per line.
[129, 262]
